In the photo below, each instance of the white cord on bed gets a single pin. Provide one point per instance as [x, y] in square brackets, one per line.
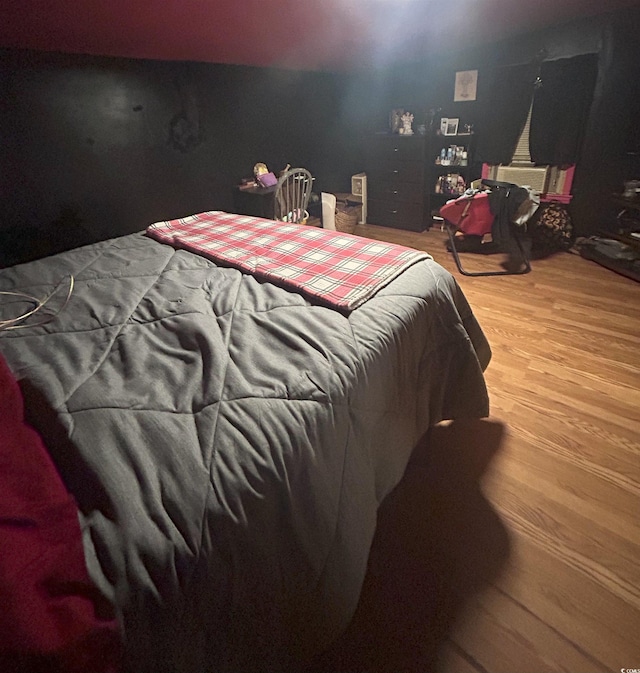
[12, 323]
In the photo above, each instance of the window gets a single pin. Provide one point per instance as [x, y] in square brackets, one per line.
[551, 180]
[522, 155]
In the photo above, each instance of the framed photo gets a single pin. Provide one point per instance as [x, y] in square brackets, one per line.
[466, 85]
[443, 126]
[451, 128]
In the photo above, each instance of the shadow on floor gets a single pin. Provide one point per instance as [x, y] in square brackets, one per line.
[438, 541]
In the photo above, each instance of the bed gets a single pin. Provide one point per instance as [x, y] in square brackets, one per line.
[228, 441]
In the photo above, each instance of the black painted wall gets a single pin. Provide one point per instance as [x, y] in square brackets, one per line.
[98, 147]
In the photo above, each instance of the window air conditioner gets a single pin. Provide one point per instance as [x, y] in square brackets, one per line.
[536, 177]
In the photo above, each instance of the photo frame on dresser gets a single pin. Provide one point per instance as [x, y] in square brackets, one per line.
[451, 128]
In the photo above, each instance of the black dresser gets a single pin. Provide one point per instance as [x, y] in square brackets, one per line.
[395, 181]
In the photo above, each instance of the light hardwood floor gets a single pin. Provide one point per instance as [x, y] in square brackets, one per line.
[543, 558]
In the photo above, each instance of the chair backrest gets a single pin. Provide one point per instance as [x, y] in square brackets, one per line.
[292, 195]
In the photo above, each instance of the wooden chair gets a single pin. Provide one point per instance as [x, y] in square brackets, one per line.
[292, 196]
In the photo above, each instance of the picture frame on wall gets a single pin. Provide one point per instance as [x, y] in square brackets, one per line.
[443, 126]
[466, 86]
[451, 128]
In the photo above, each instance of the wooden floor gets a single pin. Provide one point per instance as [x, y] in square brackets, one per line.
[513, 544]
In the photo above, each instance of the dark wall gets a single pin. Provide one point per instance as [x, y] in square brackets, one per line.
[98, 147]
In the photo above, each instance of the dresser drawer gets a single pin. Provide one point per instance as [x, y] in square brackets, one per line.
[392, 214]
[392, 147]
[397, 171]
[385, 190]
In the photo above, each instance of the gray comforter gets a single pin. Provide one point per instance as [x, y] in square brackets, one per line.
[228, 442]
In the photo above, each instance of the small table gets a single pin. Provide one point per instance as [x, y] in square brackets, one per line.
[255, 201]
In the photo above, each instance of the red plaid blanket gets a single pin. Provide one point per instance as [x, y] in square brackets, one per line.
[339, 269]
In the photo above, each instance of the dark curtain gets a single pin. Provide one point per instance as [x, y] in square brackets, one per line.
[561, 107]
[505, 113]
[561, 103]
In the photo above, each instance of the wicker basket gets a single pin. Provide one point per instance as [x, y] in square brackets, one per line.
[347, 217]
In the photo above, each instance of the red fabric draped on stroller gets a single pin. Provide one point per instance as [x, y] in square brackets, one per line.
[470, 214]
